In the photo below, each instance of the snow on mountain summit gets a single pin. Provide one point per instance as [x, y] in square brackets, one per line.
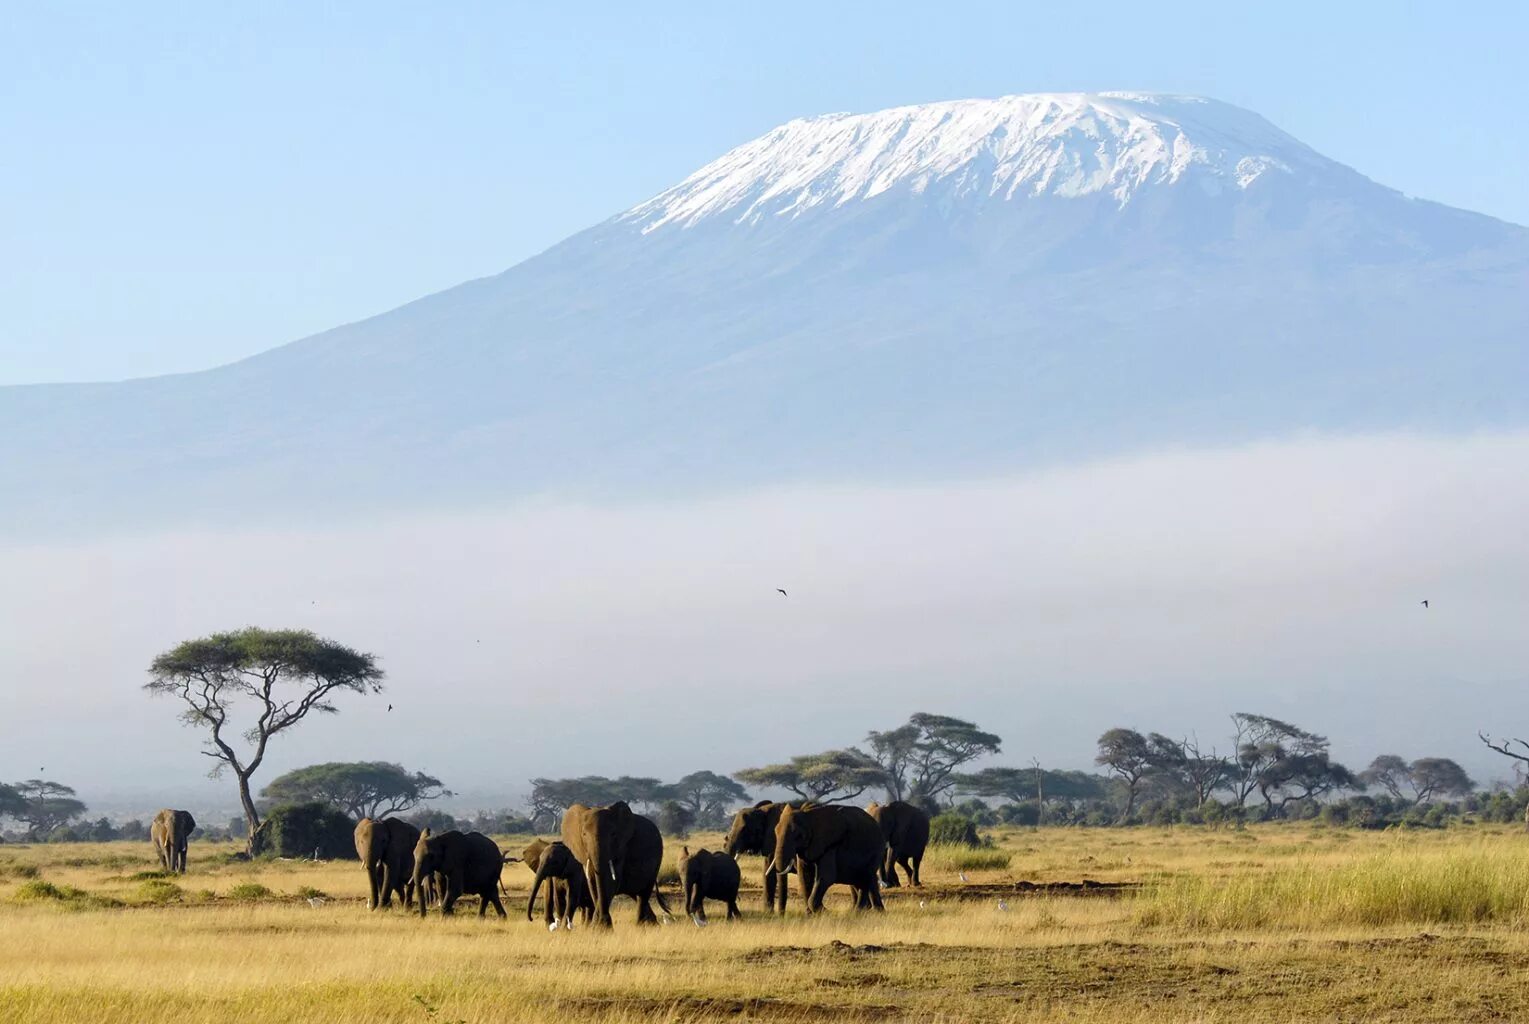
[1058, 144]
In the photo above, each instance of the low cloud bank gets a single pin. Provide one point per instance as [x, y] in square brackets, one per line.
[1162, 592]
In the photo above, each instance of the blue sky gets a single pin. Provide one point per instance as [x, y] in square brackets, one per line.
[186, 186]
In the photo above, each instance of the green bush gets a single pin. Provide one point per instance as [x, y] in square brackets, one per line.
[951, 829]
[159, 890]
[41, 890]
[249, 892]
[306, 830]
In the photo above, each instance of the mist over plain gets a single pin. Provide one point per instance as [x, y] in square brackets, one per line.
[1162, 591]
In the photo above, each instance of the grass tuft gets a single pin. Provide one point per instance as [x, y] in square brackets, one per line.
[952, 857]
[1462, 885]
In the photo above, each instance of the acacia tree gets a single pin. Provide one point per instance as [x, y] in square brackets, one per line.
[284, 675]
[12, 803]
[1283, 763]
[1129, 755]
[43, 806]
[360, 789]
[1188, 766]
[919, 760]
[1389, 772]
[1438, 776]
[829, 777]
[707, 796]
[1426, 778]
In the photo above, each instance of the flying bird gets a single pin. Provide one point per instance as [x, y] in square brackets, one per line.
[781, 592]
[1425, 602]
[390, 707]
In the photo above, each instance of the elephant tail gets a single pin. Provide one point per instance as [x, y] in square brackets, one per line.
[658, 896]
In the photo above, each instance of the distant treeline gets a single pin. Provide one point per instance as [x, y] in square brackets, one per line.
[1269, 770]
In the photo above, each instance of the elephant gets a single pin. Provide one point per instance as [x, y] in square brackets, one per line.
[171, 831]
[708, 876]
[462, 863]
[844, 843]
[906, 830]
[621, 851]
[753, 831]
[567, 889]
[386, 849]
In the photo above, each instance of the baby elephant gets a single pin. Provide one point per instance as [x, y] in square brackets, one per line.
[567, 891]
[708, 876]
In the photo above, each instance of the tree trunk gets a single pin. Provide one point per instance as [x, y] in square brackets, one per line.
[251, 816]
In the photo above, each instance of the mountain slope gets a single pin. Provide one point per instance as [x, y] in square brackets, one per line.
[944, 289]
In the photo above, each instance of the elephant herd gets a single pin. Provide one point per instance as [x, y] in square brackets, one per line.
[605, 852]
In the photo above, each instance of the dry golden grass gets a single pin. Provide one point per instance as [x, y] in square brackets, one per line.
[1268, 924]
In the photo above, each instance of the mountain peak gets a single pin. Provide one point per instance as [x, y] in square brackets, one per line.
[1065, 145]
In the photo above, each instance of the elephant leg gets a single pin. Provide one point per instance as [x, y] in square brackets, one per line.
[916, 861]
[770, 879]
[645, 913]
[806, 878]
[373, 884]
[452, 892]
[385, 869]
[874, 892]
[733, 913]
[600, 892]
[819, 891]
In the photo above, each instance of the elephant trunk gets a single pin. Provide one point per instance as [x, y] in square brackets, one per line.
[419, 879]
[541, 873]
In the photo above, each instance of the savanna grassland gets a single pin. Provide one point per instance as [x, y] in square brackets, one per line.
[1274, 923]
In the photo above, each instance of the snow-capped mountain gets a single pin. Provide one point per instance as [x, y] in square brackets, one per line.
[1068, 144]
[951, 288]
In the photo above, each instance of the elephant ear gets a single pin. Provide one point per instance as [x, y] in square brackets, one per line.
[824, 828]
[763, 804]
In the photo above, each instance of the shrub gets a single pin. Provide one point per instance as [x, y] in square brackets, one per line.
[159, 890]
[41, 890]
[306, 830]
[249, 892]
[953, 829]
[1024, 813]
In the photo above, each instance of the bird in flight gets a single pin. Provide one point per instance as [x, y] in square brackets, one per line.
[781, 592]
[1425, 602]
[390, 707]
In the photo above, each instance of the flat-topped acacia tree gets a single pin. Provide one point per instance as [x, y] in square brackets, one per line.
[279, 675]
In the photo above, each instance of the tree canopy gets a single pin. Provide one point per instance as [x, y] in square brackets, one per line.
[360, 789]
[42, 806]
[282, 675]
[919, 759]
[708, 796]
[1417, 781]
[829, 777]
[1129, 755]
